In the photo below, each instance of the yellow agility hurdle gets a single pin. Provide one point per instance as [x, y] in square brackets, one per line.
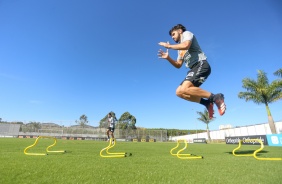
[111, 154]
[255, 152]
[181, 155]
[47, 149]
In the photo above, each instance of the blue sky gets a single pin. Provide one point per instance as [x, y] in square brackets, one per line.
[64, 58]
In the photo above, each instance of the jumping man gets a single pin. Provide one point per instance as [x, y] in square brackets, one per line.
[190, 53]
[111, 126]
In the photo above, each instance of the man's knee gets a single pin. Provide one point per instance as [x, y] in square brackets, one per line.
[184, 88]
[183, 93]
[179, 92]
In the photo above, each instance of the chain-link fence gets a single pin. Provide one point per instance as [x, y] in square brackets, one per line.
[89, 132]
[141, 134]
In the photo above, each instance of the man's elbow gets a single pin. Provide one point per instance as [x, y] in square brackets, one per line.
[177, 66]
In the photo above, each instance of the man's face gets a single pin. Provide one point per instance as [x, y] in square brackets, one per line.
[175, 35]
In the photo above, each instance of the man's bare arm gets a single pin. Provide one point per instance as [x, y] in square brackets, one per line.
[176, 64]
[181, 46]
[165, 55]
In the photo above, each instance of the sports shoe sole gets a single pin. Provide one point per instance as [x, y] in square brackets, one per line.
[210, 110]
[219, 101]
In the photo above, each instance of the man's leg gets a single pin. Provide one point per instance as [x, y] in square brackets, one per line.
[112, 135]
[108, 132]
[191, 93]
[189, 90]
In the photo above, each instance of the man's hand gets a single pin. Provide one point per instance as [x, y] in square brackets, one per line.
[164, 44]
[162, 54]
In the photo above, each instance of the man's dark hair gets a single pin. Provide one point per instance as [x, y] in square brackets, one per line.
[178, 26]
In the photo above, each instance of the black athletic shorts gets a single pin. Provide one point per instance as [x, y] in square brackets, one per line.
[198, 73]
[111, 129]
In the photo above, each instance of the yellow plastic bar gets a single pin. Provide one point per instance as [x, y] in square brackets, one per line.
[55, 142]
[171, 151]
[111, 154]
[112, 145]
[34, 144]
[239, 146]
[178, 153]
[261, 148]
[255, 152]
[47, 149]
[186, 155]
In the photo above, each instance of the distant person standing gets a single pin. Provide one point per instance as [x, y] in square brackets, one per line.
[111, 126]
[190, 53]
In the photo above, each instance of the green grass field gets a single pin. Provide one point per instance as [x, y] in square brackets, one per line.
[150, 163]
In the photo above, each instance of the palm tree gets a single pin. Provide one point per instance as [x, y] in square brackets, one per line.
[278, 72]
[262, 92]
[204, 117]
[279, 81]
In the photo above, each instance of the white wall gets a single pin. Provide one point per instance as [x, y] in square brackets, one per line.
[261, 129]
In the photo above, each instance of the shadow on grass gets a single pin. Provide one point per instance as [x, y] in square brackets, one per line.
[247, 152]
[59, 153]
